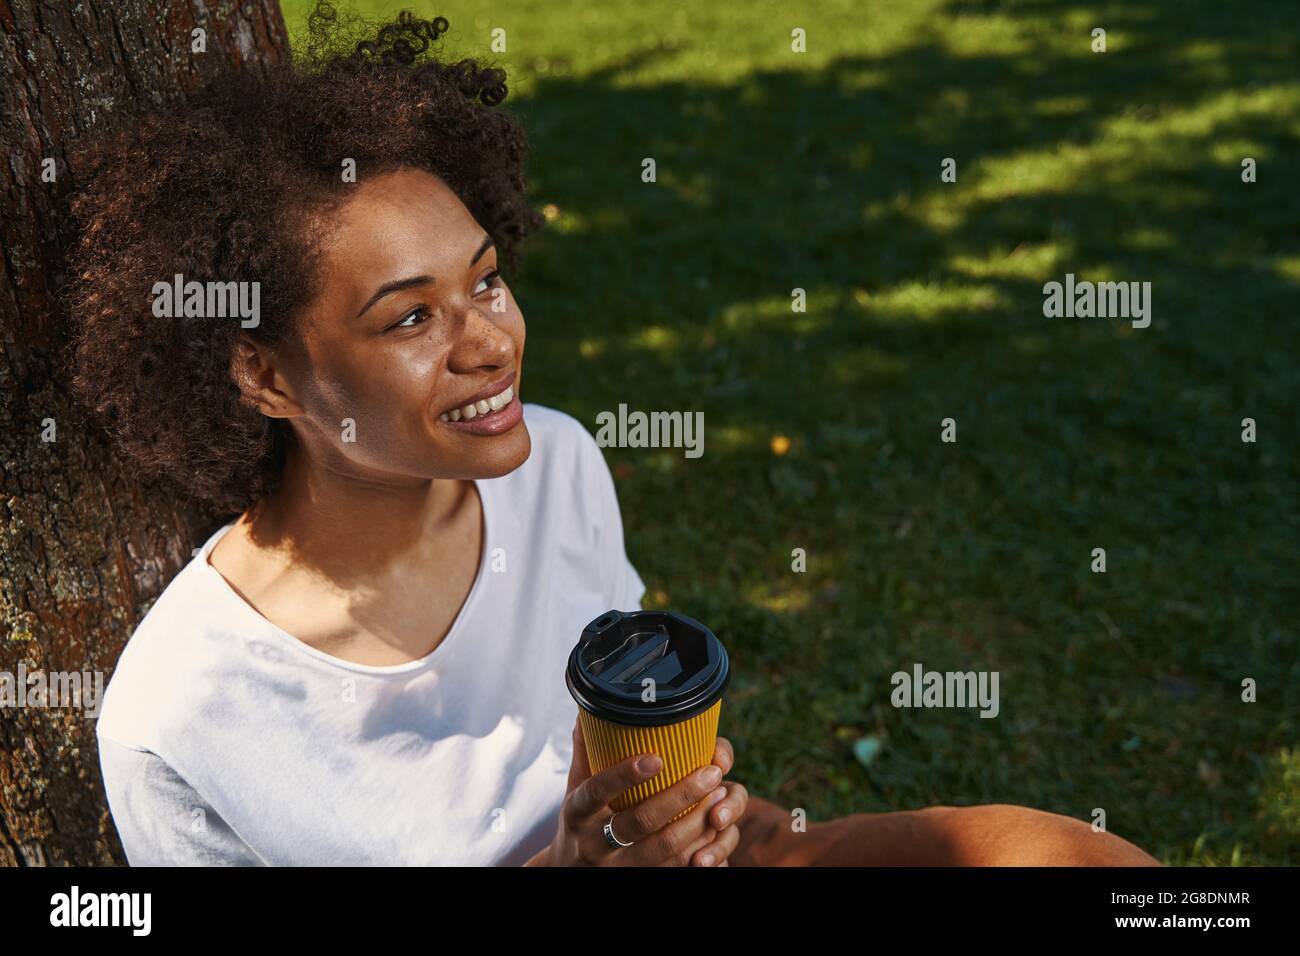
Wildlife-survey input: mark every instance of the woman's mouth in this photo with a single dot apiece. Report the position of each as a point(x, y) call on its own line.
point(487, 416)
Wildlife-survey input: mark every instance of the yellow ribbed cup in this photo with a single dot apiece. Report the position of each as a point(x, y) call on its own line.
point(684, 747)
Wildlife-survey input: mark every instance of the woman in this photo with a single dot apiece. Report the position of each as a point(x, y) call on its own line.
point(364, 663)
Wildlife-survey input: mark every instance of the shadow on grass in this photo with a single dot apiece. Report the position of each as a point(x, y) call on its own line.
point(1122, 690)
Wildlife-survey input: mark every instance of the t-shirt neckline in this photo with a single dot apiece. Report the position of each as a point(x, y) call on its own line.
point(437, 654)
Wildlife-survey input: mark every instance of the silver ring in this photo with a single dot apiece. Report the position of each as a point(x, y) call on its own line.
point(612, 840)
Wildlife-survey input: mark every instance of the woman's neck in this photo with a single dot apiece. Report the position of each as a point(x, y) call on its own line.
point(347, 528)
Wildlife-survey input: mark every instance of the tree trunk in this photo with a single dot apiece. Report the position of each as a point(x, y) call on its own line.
point(84, 550)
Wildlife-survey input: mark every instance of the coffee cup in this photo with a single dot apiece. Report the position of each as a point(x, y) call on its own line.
point(648, 682)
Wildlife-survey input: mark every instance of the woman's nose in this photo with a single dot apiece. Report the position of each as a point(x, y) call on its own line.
point(482, 343)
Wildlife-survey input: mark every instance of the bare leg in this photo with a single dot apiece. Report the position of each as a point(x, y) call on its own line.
point(989, 835)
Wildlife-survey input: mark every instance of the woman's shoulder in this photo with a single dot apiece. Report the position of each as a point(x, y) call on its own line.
point(554, 426)
point(581, 516)
point(561, 445)
point(565, 479)
point(163, 660)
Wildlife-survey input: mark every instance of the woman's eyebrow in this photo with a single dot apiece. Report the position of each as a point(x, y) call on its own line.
point(487, 244)
point(398, 285)
point(395, 286)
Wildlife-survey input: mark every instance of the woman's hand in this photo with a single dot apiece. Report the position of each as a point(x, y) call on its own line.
point(580, 839)
point(723, 835)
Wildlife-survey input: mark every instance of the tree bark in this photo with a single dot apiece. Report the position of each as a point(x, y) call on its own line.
point(84, 549)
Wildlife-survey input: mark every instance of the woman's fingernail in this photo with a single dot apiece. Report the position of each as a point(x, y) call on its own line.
point(706, 860)
point(712, 776)
point(648, 765)
point(724, 815)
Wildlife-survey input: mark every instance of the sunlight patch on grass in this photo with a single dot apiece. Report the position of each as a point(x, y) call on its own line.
point(1200, 51)
point(934, 301)
point(1279, 799)
point(780, 599)
point(657, 338)
point(717, 44)
point(984, 36)
point(1287, 267)
point(1051, 170)
point(765, 315)
point(1141, 145)
point(1200, 121)
point(1149, 239)
point(858, 77)
point(1229, 151)
point(691, 187)
point(1062, 106)
point(737, 438)
point(1026, 261)
point(988, 182)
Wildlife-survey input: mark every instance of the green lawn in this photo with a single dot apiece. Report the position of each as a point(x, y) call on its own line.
point(820, 171)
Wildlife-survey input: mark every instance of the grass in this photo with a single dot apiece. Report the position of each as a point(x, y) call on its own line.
point(820, 171)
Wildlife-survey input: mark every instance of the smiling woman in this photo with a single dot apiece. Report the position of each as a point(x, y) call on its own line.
point(364, 662)
point(322, 683)
point(248, 185)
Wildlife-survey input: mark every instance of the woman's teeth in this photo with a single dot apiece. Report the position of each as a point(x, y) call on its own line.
point(487, 405)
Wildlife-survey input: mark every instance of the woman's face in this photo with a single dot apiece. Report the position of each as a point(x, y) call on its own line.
point(411, 328)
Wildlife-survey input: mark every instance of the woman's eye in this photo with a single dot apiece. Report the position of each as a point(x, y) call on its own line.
point(490, 279)
point(422, 313)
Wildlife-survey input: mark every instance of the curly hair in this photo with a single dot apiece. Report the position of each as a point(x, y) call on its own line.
point(233, 186)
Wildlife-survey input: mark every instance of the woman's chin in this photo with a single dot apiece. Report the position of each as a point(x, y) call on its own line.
point(500, 455)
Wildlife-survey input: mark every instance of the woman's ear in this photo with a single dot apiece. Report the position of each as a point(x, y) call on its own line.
point(255, 369)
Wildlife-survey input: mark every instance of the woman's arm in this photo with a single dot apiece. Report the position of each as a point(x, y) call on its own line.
point(160, 819)
point(988, 835)
point(541, 858)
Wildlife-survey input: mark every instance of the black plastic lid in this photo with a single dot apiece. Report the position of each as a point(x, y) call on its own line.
point(617, 651)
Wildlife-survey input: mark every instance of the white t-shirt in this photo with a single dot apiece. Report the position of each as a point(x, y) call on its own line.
point(225, 740)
